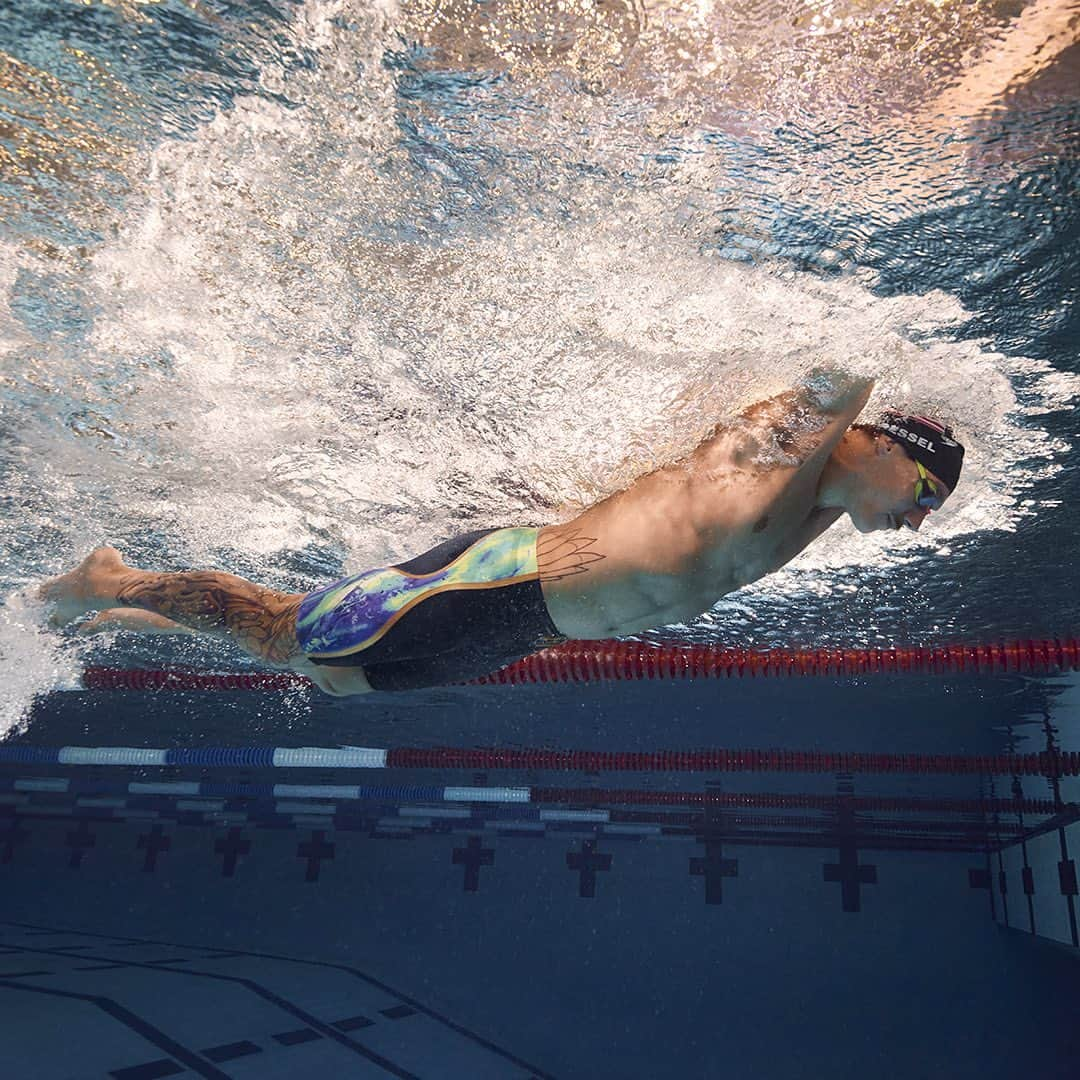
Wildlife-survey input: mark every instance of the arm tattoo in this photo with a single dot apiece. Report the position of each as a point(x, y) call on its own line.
point(564, 553)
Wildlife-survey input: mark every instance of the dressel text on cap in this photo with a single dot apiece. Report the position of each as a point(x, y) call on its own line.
point(903, 433)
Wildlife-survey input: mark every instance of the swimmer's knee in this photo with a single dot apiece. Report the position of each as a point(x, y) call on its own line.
point(349, 688)
point(349, 682)
point(333, 691)
point(336, 682)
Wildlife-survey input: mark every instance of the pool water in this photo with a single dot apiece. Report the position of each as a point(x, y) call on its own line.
point(295, 289)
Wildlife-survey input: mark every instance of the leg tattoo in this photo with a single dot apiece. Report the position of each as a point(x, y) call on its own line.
point(260, 620)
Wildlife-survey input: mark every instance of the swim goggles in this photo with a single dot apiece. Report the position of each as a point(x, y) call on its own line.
point(926, 492)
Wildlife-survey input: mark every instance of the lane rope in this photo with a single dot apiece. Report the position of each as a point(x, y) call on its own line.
point(290, 798)
point(611, 660)
point(1051, 764)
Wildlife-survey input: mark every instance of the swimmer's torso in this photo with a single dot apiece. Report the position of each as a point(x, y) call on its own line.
point(661, 560)
point(666, 549)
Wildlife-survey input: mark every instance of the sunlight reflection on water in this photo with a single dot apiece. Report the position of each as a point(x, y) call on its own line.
point(353, 278)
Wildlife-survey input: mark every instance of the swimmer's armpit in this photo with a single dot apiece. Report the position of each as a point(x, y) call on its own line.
point(564, 553)
point(832, 390)
point(792, 422)
point(768, 426)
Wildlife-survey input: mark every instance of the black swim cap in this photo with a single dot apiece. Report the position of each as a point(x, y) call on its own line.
point(926, 441)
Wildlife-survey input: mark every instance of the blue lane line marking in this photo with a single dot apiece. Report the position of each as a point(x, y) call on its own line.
point(294, 1038)
point(150, 1070)
point(134, 1023)
point(230, 1051)
point(242, 757)
point(29, 754)
point(308, 757)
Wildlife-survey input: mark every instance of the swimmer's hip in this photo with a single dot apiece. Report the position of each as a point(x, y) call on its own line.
point(463, 609)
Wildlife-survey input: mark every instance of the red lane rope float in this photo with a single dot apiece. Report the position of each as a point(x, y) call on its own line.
point(595, 661)
point(101, 678)
point(772, 801)
point(588, 661)
point(1047, 763)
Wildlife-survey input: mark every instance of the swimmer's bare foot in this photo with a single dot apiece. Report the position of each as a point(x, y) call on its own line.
point(91, 585)
point(142, 622)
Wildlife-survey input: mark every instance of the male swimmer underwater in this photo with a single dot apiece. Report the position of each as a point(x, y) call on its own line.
point(741, 505)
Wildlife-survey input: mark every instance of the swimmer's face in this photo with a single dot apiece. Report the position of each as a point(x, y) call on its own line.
point(887, 499)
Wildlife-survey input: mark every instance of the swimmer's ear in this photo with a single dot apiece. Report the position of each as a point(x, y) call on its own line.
point(884, 445)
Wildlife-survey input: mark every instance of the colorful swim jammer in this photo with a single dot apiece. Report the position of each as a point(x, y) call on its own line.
point(465, 608)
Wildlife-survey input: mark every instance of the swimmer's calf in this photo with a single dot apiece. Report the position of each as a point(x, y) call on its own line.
point(262, 621)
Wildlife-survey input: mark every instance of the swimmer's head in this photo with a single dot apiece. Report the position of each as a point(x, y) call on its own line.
point(926, 441)
point(904, 469)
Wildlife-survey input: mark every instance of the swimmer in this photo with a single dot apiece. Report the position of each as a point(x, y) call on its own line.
point(746, 501)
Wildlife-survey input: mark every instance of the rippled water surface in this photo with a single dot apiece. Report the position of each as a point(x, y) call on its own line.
point(291, 288)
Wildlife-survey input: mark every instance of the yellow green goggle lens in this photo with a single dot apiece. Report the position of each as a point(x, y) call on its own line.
point(926, 492)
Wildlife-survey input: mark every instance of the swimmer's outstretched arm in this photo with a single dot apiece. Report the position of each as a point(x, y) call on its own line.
point(804, 422)
point(825, 392)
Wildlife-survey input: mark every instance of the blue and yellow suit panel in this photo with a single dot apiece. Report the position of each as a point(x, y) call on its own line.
point(465, 608)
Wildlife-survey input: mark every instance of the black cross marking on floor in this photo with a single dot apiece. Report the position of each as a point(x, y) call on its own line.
point(472, 857)
point(714, 868)
point(847, 871)
point(80, 841)
point(980, 877)
point(315, 850)
point(232, 845)
point(11, 836)
point(154, 842)
point(1027, 877)
point(850, 875)
point(1067, 882)
point(588, 861)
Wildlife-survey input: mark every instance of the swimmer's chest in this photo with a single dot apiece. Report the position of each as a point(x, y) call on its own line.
point(736, 540)
point(755, 542)
point(666, 550)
